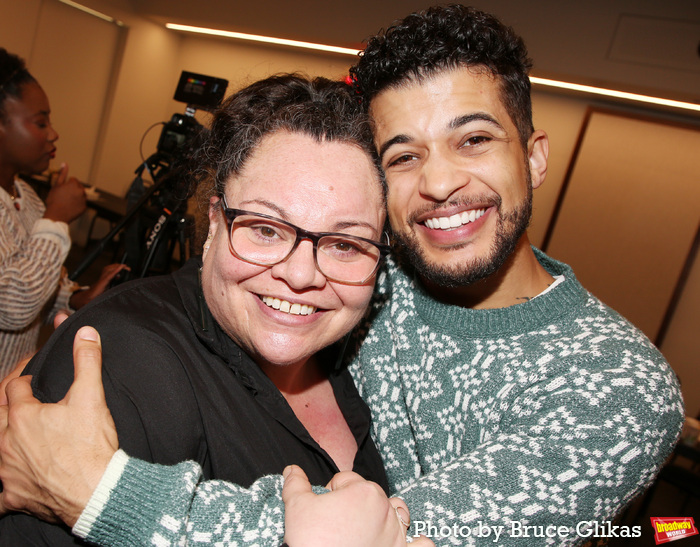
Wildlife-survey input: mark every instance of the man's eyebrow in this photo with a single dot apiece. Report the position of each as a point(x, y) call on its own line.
point(398, 139)
point(476, 116)
point(454, 124)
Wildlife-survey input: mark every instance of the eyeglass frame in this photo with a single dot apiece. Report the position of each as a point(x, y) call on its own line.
point(230, 215)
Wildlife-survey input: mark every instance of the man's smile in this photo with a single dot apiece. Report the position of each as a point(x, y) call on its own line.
point(454, 221)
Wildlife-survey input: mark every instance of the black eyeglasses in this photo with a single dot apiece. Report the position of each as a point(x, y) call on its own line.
point(265, 240)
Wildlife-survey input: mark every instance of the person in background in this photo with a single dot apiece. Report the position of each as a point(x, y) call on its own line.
point(502, 392)
point(34, 236)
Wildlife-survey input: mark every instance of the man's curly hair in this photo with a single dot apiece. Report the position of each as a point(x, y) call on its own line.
point(443, 38)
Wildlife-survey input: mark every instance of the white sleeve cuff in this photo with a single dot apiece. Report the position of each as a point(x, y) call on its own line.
point(100, 496)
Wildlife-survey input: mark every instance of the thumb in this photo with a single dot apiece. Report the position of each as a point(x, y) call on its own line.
point(87, 359)
point(62, 174)
point(15, 373)
point(296, 483)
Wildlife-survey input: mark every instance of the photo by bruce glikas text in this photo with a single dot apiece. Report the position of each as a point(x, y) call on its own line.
point(502, 533)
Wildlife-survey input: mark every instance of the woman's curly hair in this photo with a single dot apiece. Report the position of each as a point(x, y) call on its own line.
point(323, 109)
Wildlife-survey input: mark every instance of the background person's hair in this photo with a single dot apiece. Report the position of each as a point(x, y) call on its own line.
point(13, 75)
point(447, 37)
point(323, 109)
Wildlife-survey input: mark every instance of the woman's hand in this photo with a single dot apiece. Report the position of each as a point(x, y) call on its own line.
point(66, 200)
point(355, 512)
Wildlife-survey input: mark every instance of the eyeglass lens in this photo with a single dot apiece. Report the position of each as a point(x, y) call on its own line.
point(266, 242)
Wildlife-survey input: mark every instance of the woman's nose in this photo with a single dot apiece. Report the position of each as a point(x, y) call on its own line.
point(299, 270)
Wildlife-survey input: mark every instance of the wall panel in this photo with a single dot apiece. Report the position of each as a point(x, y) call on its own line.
point(630, 212)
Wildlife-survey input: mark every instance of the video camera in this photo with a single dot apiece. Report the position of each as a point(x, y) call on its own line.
point(157, 210)
point(197, 91)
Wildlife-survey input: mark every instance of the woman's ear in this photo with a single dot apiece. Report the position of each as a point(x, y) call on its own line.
point(215, 219)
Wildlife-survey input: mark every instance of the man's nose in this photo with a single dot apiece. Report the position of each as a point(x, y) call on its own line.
point(442, 177)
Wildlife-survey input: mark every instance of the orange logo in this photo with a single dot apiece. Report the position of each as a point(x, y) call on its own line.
point(672, 528)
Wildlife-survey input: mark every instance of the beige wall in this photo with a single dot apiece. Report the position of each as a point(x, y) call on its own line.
point(142, 64)
point(561, 118)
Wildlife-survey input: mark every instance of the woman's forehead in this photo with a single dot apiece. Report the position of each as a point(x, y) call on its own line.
point(297, 170)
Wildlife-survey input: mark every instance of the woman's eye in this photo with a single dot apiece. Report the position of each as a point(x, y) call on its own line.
point(342, 249)
point(267, 231)
point(345, 247)
point(42, 122)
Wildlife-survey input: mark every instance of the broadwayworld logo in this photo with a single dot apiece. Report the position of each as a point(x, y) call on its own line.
point(670, 529)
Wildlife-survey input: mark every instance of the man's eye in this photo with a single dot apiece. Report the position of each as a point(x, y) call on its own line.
point(404, 158)
point(475, 141)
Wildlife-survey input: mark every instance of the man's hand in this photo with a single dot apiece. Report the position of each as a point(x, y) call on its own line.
point(59, 318)
point(52, 456)
point(356, 512)
point(14, 373)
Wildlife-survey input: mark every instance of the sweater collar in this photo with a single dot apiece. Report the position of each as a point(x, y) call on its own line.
point(537, 313)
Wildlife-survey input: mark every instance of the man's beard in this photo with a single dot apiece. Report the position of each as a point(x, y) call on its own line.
point(509, 229)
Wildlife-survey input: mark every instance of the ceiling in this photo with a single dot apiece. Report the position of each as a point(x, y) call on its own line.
point(645, 46)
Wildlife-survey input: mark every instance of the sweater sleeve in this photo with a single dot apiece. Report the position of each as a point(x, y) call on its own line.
point(140, 503)
point(29, 269)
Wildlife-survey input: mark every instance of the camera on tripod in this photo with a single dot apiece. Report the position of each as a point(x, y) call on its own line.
point(156, 221)
point(197, 91)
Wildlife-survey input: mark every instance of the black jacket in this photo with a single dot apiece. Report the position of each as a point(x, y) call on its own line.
point(180, 389)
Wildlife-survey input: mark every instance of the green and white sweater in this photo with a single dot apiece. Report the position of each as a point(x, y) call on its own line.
point(550, 412)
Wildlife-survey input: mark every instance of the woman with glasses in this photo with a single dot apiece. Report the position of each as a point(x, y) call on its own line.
point(234, 360)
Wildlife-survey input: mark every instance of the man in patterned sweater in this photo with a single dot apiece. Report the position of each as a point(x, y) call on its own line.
point(510, 405)
point(485, 355)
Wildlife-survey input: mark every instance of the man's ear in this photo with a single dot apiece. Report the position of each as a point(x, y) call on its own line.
point(538, 152)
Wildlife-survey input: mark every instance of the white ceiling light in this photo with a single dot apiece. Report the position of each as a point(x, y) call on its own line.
point(347, 51)
point(614, 93)
point(92, 12)
point(266, 39)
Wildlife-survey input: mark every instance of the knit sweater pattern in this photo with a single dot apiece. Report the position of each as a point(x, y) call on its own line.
point(550, 412)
